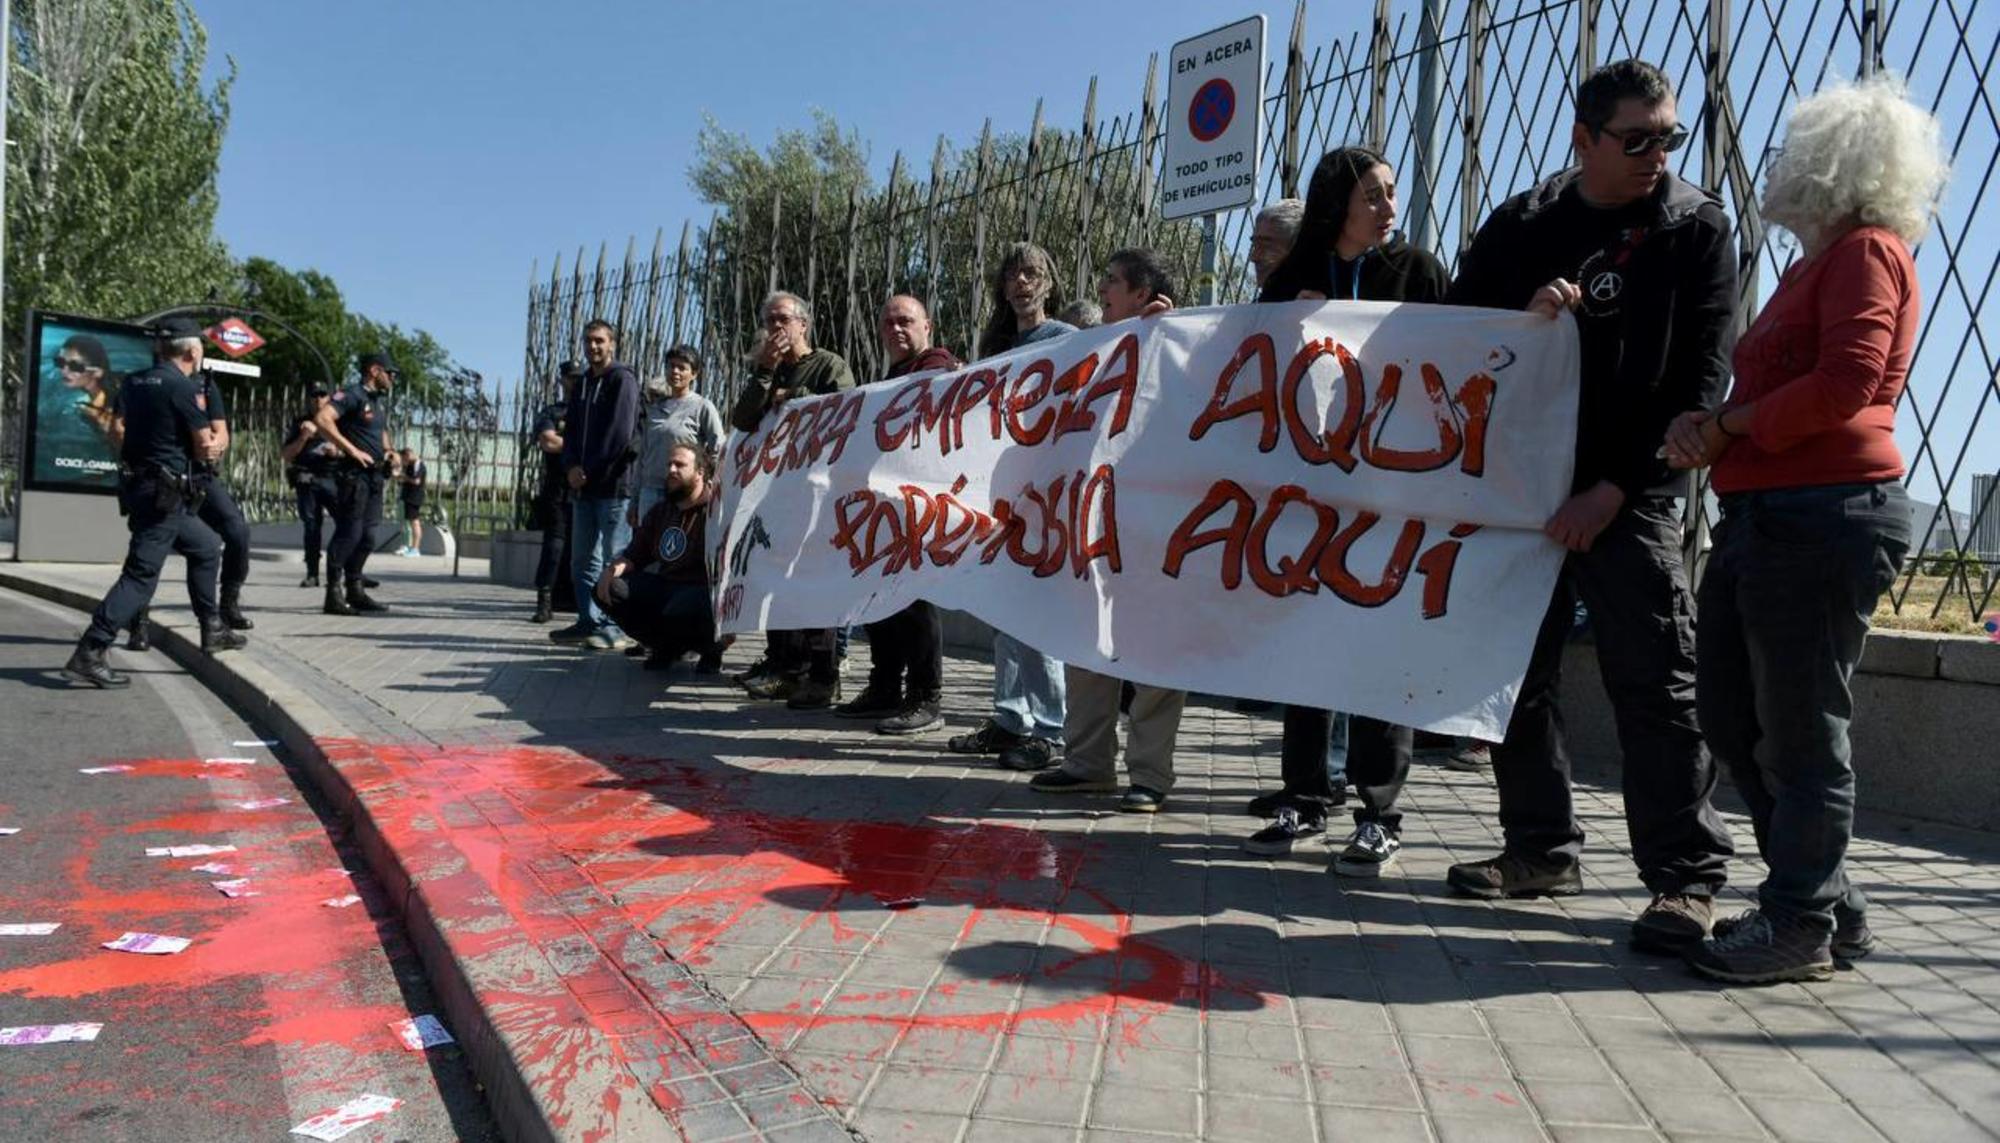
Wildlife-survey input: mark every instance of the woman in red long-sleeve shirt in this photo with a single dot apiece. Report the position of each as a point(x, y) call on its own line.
point(1815, 523)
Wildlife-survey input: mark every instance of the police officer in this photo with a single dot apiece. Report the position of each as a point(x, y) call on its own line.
point(357, 424)
point(310, 460)
point(161, 433)
point(551, 507)
point(218, 508)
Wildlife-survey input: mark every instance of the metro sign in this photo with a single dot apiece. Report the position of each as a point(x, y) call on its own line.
point(234, 337)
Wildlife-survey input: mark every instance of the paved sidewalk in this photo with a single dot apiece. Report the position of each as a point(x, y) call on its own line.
point(938, 953)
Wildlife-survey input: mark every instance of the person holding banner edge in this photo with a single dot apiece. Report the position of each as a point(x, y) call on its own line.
point(1648, 265)
point(1134, 285)
point(1346, 249)
point(1028, 697)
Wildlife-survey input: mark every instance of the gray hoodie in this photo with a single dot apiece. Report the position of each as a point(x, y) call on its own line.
point(671, 420)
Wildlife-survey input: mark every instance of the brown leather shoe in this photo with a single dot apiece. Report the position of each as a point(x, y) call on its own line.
point(1673, 923)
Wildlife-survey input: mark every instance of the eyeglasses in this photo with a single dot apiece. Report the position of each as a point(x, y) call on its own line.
point(71, 364)
point(1025, 273)
point(1635, 143)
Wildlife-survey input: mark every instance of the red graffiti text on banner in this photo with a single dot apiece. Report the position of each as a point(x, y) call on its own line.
point(1067, 524)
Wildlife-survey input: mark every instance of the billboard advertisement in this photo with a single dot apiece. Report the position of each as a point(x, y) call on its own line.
point(74, 368)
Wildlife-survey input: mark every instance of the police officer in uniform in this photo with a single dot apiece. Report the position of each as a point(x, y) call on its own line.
point(161, 434)
point(356, 422)
point(551, 507)
point(310, 460)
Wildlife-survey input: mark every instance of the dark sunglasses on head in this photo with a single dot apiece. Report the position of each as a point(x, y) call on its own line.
point(1636, 143)
point(71, 364)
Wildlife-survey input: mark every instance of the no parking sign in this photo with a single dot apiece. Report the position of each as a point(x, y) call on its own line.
point(1215, 120)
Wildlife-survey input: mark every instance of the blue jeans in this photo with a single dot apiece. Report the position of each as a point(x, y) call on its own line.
point(598, 533)
point(649, 497)
point(1785, 607)
point(1028, 695)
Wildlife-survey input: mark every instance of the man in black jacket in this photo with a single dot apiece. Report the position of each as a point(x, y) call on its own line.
point(1647, 263)
point(597, 456)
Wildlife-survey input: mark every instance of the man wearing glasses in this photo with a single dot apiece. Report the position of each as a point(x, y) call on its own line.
point(357, 424)
point(1647, 264)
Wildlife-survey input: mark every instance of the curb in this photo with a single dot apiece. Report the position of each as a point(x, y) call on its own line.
point(579, 1102)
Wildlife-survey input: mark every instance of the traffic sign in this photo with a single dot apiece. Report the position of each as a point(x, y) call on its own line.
point(234, 337)
point(1215, 121)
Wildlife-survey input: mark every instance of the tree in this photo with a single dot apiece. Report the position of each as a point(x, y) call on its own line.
point(111, 192)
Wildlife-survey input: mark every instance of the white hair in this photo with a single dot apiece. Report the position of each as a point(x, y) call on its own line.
point(1857, 155)
point(799, 305)
point(1288, 213)
point(183, 346)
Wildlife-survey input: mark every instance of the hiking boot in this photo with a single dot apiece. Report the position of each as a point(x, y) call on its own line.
point(232, 608)
point(914, 718)
point(572, 635)
point(1370, 851)
point(217, 635)
point(1673, 923)
point(1141, 800)
point(771, 687)
point(1511, 875)
point(1852, 938)
point(86, 665)
point(872, 702)
point(370, 582)
point(139, 639)
point(1286, 830)
point(1474, 757)
point(1061, 781)
point(1752, 948)
point(1029, 754)
point(544, 606)
point(359, 599)
point(757, 670)
point(988, 739)
point(813, 695)
point(336, 597)
point(311, 580)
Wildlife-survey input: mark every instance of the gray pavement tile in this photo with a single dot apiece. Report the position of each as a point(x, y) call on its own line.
point(1458, 1129)
point(1035, 1099)
point(838, 1079)
point(1122, 1106)
point(1259, 1041)
point(916, 1088)
point(1676, 1069)
point(1707, 1113)
point(1455, 1056)
point(1351, 1087)
point(1152, 1067)
point(1561, 1101)
point(1558, 1062)
point(1482, 1097)
point(1008, 1131)
point(1236, 1116)
point(886, 1125)
point(710, 1122)
point(1054, 1059)
point(1921, 1125)
point(1354, 1049)
point(1261, 1078)
point(1596, 1133)
point(810, 1131)
point(1767, 1073)
point(1512, 1026)
point(1437, 1020)
point(1345, 1124)
point(1811, 1121)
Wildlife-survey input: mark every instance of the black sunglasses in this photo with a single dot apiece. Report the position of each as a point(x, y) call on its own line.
point(1634, 143)
point(71, 364)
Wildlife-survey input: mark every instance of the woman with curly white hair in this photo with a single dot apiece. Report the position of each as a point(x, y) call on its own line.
point(1815, 524)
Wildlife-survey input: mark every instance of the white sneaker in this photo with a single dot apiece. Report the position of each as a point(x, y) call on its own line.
point(1369, 853)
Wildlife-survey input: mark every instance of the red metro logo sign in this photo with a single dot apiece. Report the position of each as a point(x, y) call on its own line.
point(234, 337)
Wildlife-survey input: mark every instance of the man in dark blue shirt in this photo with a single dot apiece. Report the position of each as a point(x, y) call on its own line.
point(161, 432)
point(310, 460)
point(597, 454)
point(218, 508)
point(357, 424)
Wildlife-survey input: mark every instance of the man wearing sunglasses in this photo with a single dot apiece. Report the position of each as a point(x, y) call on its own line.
point(1647, 264)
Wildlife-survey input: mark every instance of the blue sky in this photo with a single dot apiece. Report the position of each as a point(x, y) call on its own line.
point(425, 160)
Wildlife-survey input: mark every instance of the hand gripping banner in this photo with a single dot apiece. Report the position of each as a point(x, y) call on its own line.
point(1332, 504)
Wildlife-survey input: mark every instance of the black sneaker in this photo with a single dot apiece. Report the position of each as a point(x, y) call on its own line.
point(1511, 875)
point(872, 702)
point(1268, 805)
point(574, 634)
point(1029, 754)
point(914, 718)
point(311, 580)
point(1673, 923)
point(988, 739)
point(756, 670)
point(1370, 851)
point(1141, 800)
point(1755, 949)
point(1277, 839)
point(1061, 781)
point(812, 695)
point(709, 664)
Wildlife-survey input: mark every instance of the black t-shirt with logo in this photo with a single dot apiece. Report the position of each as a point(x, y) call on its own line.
point(358, 413)
point(161, 415)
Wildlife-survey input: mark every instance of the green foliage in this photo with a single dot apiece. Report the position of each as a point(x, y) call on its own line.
point(111, 180)
point(311, 303)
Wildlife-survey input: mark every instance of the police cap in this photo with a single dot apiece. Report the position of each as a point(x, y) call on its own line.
point(382, 359)
point(173, 328)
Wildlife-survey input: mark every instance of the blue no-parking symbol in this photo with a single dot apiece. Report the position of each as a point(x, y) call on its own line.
point(1214, 105)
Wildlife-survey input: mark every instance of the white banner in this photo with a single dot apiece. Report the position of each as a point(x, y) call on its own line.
point(1332, 504)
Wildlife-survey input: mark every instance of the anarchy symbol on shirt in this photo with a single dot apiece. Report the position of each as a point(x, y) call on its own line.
point(1607, 286)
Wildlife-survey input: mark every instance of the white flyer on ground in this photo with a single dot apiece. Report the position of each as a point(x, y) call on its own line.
point(355, 1113)
point(152, 944)
point(9, 831)
point(106, 769)
point(229, 761)
point(260, 803)
point(48, 1034)
point(187, 850)
point(219, 868)
point(238, 887)
point(256, 742)
point(30, 929)
point(341, 902)
point(420, 1032)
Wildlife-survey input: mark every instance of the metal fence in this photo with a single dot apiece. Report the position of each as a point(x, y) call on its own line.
point(1471, 102)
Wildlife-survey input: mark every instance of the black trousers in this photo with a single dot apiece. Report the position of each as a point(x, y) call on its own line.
point(669, 618)
point(317, 500)
point(551, 515)
point(156, 533)
point(1378, 763)
point(1643, 620)
point(906, 652)
point(220, 513)
point(812, 654)
point(357, 507)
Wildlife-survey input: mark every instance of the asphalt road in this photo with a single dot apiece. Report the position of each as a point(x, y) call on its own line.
point(278, 1011)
